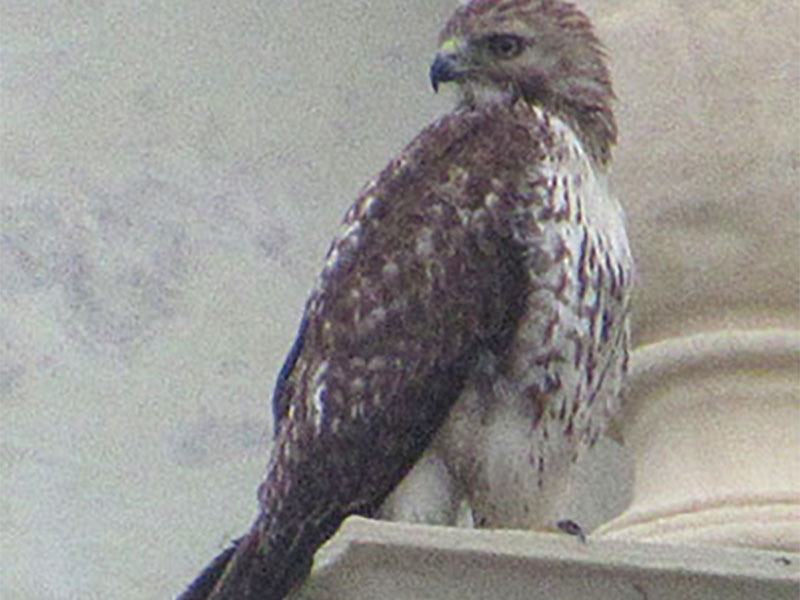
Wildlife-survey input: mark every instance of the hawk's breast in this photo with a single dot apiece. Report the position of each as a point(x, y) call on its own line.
point(525, 415)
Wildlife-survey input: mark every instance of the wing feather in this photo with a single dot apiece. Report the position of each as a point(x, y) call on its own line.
point(427, 282)
point(426, 279)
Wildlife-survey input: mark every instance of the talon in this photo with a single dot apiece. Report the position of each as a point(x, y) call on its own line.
point(570, 527)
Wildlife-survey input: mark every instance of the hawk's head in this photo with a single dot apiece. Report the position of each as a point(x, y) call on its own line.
point(542, 50)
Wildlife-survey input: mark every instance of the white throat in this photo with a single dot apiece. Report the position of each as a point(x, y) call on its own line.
point(476, 93)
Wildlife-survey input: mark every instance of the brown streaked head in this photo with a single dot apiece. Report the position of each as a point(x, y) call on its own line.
point(544, 51)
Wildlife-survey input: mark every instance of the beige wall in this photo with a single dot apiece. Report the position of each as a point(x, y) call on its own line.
point(172, 173)
point(708, 161)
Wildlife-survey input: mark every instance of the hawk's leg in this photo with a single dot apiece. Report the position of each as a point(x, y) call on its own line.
point(428, 494)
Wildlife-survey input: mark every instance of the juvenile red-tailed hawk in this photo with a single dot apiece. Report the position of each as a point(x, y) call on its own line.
point(475, 303)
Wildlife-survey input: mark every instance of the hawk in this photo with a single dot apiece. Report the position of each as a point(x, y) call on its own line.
point(475, 304)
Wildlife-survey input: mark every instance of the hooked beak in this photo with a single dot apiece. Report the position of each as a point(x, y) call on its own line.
point(449, 64)
point(445, 67)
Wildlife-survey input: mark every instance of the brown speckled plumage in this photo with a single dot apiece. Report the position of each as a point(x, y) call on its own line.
point(474, 305)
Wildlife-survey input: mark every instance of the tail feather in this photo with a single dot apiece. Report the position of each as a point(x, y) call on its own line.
point(256, 567)
point(203, 585)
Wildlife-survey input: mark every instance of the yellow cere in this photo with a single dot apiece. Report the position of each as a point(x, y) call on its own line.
point(449, 46)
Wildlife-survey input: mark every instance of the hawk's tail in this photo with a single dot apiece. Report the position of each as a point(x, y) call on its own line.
point(257, 566)
point(202, 586)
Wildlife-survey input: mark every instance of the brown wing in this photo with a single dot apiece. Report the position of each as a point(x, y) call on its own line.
point(426, 281)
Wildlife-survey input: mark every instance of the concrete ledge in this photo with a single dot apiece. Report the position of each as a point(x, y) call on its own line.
point(374, 559)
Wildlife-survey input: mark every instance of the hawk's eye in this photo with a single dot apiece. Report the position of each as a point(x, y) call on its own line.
point(504, 45)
